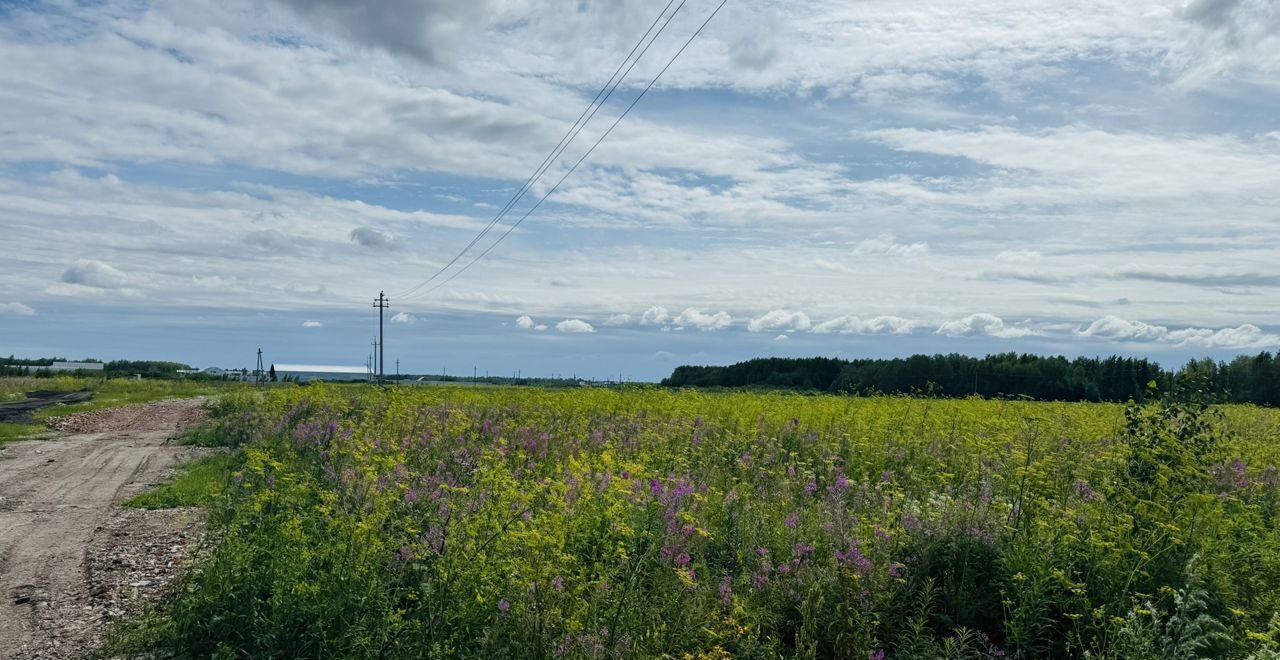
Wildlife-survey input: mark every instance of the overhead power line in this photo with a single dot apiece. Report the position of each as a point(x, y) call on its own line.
point(601, 97)
point(585, 155)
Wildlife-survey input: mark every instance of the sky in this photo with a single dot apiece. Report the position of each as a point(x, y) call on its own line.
point(193, 180)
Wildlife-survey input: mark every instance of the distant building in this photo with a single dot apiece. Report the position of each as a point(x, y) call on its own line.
point(307, 372)
point(214, 371)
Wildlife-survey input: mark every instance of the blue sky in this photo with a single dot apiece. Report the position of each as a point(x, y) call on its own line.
point(191, 181)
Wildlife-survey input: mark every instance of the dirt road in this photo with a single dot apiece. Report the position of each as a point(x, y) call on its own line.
point(71, 560)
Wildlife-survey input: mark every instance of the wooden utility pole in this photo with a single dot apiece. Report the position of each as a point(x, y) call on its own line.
point(381, 303)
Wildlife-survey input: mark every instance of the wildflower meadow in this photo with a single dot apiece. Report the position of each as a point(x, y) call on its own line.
point(525, 523)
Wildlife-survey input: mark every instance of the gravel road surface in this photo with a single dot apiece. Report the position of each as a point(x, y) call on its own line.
point(72, 560)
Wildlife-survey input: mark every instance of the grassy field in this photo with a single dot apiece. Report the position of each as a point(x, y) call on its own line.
point(108, 393)
point(511, 522)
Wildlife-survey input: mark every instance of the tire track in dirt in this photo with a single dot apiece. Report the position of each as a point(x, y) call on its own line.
point(71, 560)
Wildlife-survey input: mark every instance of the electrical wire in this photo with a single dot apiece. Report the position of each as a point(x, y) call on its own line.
point(585, 155)
point(570, 135)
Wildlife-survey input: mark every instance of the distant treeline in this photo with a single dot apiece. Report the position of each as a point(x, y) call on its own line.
point(12, 366)
point(1246, 379)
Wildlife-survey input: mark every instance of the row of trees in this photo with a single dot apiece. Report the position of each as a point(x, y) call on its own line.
point(1246, 379)
point(12, 366)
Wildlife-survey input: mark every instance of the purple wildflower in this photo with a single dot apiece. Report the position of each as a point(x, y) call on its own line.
point(726, 590)
point(404, 554)
point(854, 557)
point(792, 520)
point(877, 654)
point(811, 487)
point(1084, 491)
point(557, 583)
point(504, 606)
point(411, 497)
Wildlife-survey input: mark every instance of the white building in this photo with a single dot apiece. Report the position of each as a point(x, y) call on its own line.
point(307, 372)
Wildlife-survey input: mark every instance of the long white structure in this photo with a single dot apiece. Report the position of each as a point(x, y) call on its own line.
point(307, 372)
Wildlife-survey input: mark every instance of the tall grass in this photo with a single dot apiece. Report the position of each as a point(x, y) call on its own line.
point(642, 523)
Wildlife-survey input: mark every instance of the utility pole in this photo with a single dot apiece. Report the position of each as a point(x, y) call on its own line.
point(259, 373)
point(397, 368)
point(382, 304)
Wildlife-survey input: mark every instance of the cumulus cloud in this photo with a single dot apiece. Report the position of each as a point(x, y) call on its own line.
point(1118, 329)
point(1244, 336)
point(1018, 256)
point(655, 316)
point(780, 319)
point(887, 245)
point(618, 319)
point(574, 326)
point(312, 324)
point(91, 273)
point(525, 322)
point(1112, 327)
point(16, 309)
point(782, 338)
point(692, 318)
point(879, 325)
point(404, 317)
point(984, 324)
point(425, 29)
point(372, 237)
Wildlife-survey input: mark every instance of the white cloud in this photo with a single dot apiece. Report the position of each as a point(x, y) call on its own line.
point(1112, 327)
point(984, 324)
point(372, 237)
point(1243, 336)
point(1018, 256)
point(655, 316)
point(312, 324)
point(692, 318)
point(16, 309)
point(574, 326)
point(782, 338)
point(404, 317)
point(887, 245)
point(618, 319)
point(879, 325)
point(779, 319)
point(92, 273)
point(525, 322)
